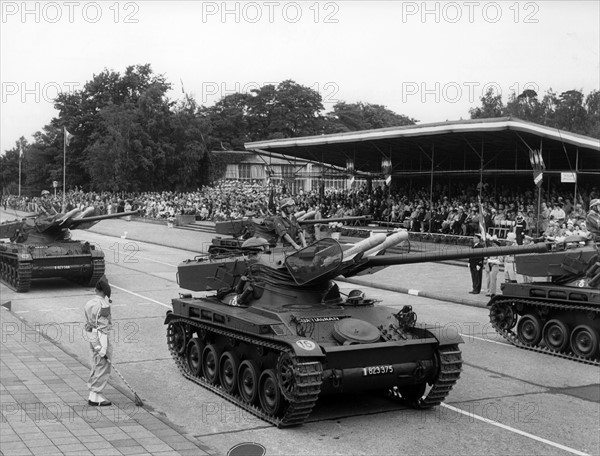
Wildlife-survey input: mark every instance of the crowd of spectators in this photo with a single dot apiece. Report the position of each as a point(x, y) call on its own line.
point(455, 210)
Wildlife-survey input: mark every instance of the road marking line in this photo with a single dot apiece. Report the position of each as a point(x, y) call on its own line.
point(486, 340)
point(21, 311)
point(45, 310)
point(516, 431)
point(160, 262)
point(141, 296)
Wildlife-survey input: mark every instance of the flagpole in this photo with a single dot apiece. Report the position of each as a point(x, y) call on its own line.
point(20, 159)
point(64, 204)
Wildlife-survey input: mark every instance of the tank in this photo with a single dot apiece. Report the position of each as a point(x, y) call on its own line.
point(40, 247)
point(557, 310)
point(274, 332)
point(236, 231)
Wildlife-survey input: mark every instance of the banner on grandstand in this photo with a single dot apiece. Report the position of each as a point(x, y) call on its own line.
point(538, 166)
point(350, 165)
point(386, 169)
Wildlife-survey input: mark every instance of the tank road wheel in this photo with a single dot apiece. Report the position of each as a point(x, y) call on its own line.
point(584, 341)
point(503, 315)
point(286, 376)
point(228, 372)
point(210, 364)
point(412, 393)
point(269, 393)
point(248, 381)
point(194, 356)
point(529, 329)
point(178, 337)
point(556, 335)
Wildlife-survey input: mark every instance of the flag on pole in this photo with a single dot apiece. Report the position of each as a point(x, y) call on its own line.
point(20, 151)
point(538, 166)
point(68, 136)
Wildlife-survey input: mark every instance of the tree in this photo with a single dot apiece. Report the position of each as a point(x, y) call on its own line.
point(491, 106)
point(525, 106)
point(363, 116)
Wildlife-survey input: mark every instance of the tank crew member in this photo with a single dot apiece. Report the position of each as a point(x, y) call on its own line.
point(476, 266)
point(244, 290)
point(45, 206)
point(287, 227)
point(98, 326)
point(593, 218)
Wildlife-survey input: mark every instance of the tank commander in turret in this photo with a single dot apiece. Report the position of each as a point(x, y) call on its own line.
point(287, 227)
point(45, 206)
point(593, 218)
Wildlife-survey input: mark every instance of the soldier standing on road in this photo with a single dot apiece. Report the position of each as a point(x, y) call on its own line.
point(98, 326)
point(476, 266)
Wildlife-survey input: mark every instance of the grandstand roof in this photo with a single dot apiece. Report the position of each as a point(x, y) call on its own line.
point(497, 145)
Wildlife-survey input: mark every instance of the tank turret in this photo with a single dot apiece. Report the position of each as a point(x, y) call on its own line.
point(279, 332)
point(554, 306)
point(41, 247)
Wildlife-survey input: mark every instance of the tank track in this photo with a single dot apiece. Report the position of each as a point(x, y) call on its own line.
point(15, 274)
point(98, 268)
point(308, 377)
point(513, 339)
point(450, 361)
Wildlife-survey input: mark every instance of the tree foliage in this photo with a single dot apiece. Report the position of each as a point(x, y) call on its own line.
point(570, 110)
point(363, 116)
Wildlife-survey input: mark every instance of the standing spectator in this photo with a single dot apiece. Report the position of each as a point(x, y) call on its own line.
point(492, 267)
point(520, 227)
point(476, 266)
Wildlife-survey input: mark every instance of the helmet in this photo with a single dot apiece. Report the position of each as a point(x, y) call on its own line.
point(45, 192)
point(255, 243)
point(594, 202)
point(286, 202)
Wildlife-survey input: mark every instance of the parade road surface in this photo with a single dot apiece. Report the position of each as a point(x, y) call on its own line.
point(507, 401)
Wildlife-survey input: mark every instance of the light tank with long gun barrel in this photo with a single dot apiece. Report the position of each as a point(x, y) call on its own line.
point(40, 247)
point(558, 310)
point(278, 333)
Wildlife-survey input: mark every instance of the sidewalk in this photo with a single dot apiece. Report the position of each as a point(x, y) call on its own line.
point(44, 411)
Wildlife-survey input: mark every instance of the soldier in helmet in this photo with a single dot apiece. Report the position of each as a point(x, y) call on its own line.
point(45, 205)
point(287, 227)
point(593, 218)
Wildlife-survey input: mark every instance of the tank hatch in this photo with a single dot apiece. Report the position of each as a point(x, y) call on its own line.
point(354, 331)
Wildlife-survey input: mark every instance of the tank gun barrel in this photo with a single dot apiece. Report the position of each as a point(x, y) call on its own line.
point(96, 218)
point(337, 219)
point(390, 260)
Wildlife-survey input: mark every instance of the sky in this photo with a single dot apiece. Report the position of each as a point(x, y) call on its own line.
point(431, 61)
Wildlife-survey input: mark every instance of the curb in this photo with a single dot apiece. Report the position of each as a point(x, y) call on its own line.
point(126, 393)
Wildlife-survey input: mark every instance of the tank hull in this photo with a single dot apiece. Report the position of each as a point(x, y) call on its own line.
point(77, 261)
point(296, 341)
point(559, 320)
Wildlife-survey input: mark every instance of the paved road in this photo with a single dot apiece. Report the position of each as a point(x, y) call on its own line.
point(508, 401)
